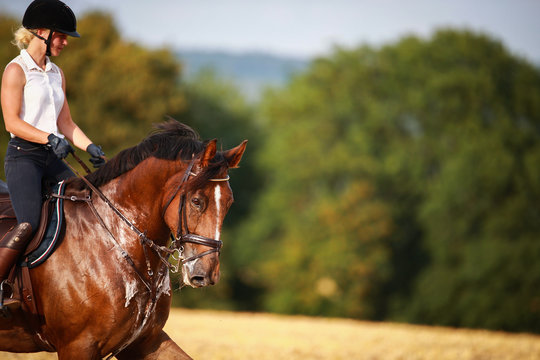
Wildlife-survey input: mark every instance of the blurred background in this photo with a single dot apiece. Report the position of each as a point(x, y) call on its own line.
point(393, 165)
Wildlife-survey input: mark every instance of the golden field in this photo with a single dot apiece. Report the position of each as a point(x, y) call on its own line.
point(227, 335)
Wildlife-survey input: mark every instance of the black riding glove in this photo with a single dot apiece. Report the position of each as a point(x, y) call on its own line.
point(59, 146)
point(98, 156)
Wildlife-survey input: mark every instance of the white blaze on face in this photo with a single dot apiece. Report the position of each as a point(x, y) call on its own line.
point(217, 198)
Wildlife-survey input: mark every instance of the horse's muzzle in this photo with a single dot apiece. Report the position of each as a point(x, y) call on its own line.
point(201, 272)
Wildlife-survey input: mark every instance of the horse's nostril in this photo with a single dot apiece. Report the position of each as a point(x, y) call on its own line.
point(198, 280)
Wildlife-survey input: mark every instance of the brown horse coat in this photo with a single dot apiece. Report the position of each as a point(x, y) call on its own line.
point(91, 300)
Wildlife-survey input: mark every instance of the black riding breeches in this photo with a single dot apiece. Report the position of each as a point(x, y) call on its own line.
point(27, 165)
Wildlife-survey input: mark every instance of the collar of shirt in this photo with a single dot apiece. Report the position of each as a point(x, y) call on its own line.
point(31, 64)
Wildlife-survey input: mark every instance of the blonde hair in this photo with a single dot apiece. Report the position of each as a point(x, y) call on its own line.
point(22, 37)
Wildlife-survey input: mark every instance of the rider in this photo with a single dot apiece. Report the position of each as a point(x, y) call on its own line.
point(37, 115)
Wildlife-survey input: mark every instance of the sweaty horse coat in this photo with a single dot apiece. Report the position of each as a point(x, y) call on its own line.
point(92, 301)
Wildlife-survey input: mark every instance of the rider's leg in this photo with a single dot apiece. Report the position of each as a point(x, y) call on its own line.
point(11, 247)
point(24, 165)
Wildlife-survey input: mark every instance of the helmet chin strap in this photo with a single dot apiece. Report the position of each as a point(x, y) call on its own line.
point(47, 41)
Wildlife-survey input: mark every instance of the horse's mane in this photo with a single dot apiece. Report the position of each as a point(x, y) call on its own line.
point(171, 140)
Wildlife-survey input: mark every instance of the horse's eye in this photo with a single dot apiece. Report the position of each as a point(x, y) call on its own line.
point(196, 202)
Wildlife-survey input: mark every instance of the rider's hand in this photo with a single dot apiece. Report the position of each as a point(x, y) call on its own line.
point(98, 156)
point(59, 146)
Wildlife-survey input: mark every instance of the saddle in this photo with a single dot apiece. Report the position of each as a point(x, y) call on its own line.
point(8, 220)
point(34, 255)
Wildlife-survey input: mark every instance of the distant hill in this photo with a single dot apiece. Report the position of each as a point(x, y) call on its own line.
point(252, 72)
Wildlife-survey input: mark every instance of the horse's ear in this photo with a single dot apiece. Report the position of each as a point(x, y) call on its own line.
point(234, 155)
point(209, 153)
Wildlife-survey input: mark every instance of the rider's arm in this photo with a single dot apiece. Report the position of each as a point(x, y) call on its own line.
point(13, 82)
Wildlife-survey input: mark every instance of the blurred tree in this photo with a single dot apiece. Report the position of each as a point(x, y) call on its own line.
point(314, 239)
point(7, 26)
point(402, 184)
point(480, 121)
point(116, 89)
point(217, 110)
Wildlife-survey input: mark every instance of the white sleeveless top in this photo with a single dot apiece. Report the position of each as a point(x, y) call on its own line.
point(43, 96)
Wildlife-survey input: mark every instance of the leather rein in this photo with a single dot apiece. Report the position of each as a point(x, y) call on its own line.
point(176, 246)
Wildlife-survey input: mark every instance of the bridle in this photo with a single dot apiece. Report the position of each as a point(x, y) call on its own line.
point(176, 246)
point(183, 235)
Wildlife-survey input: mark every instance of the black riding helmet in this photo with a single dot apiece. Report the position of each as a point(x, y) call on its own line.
point(53, 15)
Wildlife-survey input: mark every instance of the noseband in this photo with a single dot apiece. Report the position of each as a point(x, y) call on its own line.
point(183, 235)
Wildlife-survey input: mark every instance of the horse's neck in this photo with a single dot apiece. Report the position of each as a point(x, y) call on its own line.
point(146, 179)
point(139, 194)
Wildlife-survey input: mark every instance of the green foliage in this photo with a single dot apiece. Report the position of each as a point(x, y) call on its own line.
point(217, 110)
point(7, 27)
point(117, 89)
point(314, 239)
point(403, 184)
point(477, 123)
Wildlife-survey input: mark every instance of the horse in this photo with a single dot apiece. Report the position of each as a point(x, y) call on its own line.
point(106, 290)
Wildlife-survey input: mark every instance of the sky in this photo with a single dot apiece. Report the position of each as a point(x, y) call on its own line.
point(308, 28)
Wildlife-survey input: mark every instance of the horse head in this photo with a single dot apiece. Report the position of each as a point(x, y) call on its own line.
point(171, 182)
point(195, 211)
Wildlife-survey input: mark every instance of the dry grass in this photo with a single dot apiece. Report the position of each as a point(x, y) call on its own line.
point(225, 335)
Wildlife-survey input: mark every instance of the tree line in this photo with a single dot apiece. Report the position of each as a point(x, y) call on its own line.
point(395, 183)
